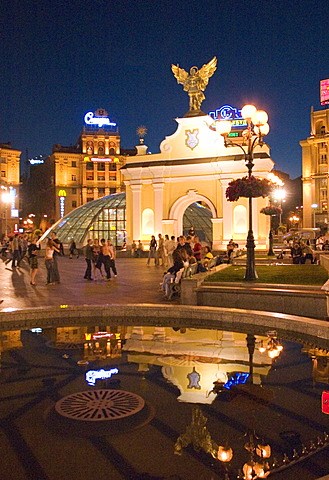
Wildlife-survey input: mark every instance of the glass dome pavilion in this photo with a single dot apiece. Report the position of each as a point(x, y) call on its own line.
point(106, 218)
point(101, 218)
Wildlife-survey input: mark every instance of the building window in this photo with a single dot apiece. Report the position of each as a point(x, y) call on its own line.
point(113, 167)
point(74, 163)
point(112, 151)
point(323, 130)
point(101, 192)
point(324, 206)
point(101, 166)
point(89, 166)
point(89, 199)
point(3, 160)
point(73, 178)
point(90, 190)
point(113, 190)
point(323, 158)
point(74, 204)
point(3, 173)
point(324, 193)
point(101, 178)
point(74, 191)
point(90, 176)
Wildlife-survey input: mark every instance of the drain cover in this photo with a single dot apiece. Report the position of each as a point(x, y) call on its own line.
point(99, 405)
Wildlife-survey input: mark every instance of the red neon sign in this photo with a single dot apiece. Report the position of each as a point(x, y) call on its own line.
point(325, 402)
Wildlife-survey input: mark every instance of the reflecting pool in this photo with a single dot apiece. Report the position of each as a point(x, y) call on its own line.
point(152, 402)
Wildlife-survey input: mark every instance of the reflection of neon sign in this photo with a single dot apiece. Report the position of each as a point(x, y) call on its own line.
point(100, 121)
point(93, 375)
point(226, 112)
point(236, 379)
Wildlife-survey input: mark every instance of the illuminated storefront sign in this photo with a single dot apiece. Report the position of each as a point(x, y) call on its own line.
point(93, 375)
point(324, 92)
point(62, 197)
point(36, 161)
point(227, 112)
point(90, 119)
point(101, 159)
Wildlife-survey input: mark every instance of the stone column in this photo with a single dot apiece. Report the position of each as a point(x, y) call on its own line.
point(137, 210)
point(227, 213)
point(158, 207)
point(217, 233)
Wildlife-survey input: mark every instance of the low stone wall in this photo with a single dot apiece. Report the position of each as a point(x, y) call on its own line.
point(293, 300)
point(230, 319)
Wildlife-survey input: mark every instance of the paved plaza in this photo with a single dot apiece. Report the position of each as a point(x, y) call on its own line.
point(136, 283)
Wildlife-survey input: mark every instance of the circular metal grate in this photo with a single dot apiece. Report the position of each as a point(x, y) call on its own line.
point(99, 405)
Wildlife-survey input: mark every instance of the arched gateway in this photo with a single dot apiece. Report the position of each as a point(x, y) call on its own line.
point(193, 166)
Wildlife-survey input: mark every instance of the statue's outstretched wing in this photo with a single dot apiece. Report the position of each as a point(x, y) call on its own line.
point(179, 73)
point(207, 71)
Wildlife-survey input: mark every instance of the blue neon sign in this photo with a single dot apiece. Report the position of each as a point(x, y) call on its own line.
point(93, 375)
point(226, 112)
point(90, 119)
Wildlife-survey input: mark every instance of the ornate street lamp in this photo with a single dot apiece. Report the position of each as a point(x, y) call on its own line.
point(253, 136)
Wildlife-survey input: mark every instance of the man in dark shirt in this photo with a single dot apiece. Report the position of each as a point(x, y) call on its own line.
point(88, 258)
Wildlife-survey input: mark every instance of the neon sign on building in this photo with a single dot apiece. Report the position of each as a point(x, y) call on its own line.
point(100, 121)
point(227, 112)
point(62, 197)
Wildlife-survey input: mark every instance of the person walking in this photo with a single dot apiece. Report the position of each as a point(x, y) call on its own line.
point(88, 258)
point(57, 250)
point(73, 249)
point(113, 255)
point(152, 250)
point(160, 253)
point(49, 261)
point(106, 258)
point(33, 259)
point(15, 251)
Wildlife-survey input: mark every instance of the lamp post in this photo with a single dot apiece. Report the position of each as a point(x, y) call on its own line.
point(253, 136)
point(314, 206)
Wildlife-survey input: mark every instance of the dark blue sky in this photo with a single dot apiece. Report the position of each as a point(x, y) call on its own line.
point(62, 59)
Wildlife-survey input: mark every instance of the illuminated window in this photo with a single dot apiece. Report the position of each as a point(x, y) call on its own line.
point(101, 192)
point(240, 219)
point(90, 190)
point(101, 178)
point(74, 204)
point(73, 178)
point(323, 158)
point(324, 206)
point(147, 222)
point(90, 176)
point(74, 163)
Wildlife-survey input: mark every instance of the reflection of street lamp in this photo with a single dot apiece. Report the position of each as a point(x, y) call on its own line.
point(253, 136)
point(6, 198)
point(314, 206)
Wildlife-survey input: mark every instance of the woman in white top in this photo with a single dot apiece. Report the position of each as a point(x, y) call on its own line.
point(49, 261)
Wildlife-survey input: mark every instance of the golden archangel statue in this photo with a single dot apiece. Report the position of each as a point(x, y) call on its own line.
point(195, 84)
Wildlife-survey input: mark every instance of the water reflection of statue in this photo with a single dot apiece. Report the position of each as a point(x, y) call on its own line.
point(195, 83)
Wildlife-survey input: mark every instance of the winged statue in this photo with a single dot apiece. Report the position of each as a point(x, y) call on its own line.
point(195, 83)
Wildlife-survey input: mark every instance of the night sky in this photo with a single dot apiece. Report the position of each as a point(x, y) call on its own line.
point(60, 60)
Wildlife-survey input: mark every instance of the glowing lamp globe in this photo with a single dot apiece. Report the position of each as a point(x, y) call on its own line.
point(248, 111)
point(223, 127)
point(273, 353)
point(224, 454)
point(263, 129)
point(6, 197)
point(247, 470)
point(259, 118)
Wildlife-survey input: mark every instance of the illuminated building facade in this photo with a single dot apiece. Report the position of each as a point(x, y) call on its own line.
point(86, 171)
point(9, 183)
point(315, 171)
point(194, 166)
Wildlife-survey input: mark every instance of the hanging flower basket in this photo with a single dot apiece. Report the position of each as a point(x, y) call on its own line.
point(271, 210)
point(248, 187)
